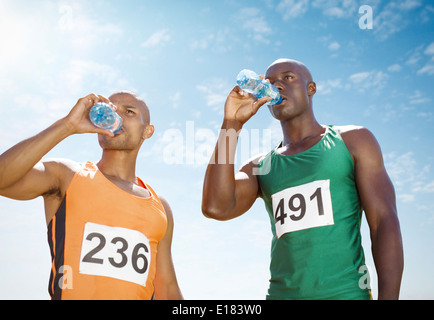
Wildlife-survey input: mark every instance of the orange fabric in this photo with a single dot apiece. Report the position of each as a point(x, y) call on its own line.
point(92, 201)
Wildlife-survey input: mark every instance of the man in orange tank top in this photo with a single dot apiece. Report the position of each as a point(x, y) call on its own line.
point(115, 244)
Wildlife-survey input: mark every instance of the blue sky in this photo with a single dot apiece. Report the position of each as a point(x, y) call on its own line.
point(182, 57)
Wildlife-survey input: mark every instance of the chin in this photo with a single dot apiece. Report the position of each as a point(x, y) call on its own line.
point(284, 112)
point(112, 143)
point(280, 114)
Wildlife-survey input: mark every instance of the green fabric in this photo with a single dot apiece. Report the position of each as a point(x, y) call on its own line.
point(320, 262)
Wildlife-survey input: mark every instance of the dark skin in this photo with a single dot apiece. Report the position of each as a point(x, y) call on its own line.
point(24, 175)
point(227, 195)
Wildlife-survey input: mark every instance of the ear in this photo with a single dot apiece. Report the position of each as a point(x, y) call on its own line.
point(311, 88)
point(149, 131)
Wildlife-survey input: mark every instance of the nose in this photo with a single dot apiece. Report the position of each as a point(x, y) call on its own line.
point(277, 84)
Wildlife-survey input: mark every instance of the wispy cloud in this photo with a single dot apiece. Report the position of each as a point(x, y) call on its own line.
point(215, 92)
point(76, 23)
point(80, 74)
point(336, 8)
point(408, 176)
point(175, 98)
point(394, 68)
point(327, 86)
point(417, 98)
point(334, 46)
point(157, 38)
point(428, 68)
point(368, 80)
point(292, 8)
point(254, 23)
point(392, 18)
point(217, 41)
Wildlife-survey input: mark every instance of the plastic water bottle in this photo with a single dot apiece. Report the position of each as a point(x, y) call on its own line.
point(250, 82)
point(103, 116)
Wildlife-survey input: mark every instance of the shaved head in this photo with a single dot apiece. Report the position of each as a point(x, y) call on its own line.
point(140, 102)
point(301, 67)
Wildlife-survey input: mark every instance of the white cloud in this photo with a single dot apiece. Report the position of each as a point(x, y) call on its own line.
point(359, 77)
point(216, 92)
point(215, 41)
point(368, 80)
point(414, 58)
point(158, 38)
point(394, 68)
point(175, 98)
point(336, 8)
point(430, 49)
point(255, 24)
point(406, 198)
point(418, 98)
point(326, 87)
point(80, 75)
point(409, 177)
point(409, 4)
point(84, 31)
point(428, 68)
point(392, 19)
point(292, 8)
point(334, 46)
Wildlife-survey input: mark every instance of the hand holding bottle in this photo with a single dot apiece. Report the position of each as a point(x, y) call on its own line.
point(241, 104)
point(103, 116)
point(78, 120)
point(252, 83)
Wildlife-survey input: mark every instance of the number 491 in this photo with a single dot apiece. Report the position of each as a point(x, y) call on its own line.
point(297, 203)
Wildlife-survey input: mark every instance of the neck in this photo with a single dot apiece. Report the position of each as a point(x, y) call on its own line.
point(297, 130)
point(119, 165)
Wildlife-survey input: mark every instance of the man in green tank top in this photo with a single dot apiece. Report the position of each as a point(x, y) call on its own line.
point(315, 185)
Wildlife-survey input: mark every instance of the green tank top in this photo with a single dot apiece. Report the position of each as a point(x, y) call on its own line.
point(315, 214)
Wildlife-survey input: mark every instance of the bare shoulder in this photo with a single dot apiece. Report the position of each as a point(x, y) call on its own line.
point(167, 240)
point(360, 141)
point(62, 164)
point(351, 129)
point(166, 207)
point(247, 167)
point(62, 169)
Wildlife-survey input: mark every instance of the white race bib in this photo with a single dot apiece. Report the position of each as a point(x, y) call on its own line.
point(302, 207)
point(115, 252)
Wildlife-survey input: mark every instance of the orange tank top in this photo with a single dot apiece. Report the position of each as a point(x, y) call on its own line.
point(103, 240)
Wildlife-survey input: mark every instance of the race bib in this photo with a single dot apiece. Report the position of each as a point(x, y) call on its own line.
point(302, 207)
point(115, 252)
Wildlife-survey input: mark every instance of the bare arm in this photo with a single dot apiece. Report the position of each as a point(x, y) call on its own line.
point(226, 195)
point(165, 282)
point(23, 175)
point(378, 200)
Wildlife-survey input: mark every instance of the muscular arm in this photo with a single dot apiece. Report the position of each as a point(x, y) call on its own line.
point(378, 200)
point(23, 176)
point(226, 195)
point(165, 282)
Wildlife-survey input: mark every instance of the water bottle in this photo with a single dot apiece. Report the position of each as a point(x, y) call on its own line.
point(250, 82)
point(103, 116)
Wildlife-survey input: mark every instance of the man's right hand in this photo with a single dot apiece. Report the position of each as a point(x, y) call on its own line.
point(78, 120)
point(240, 106)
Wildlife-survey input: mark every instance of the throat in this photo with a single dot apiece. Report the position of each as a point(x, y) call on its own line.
point(291, 147)
point(133, 188)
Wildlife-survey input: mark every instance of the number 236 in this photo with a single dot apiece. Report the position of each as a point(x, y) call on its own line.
point(136, 257)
